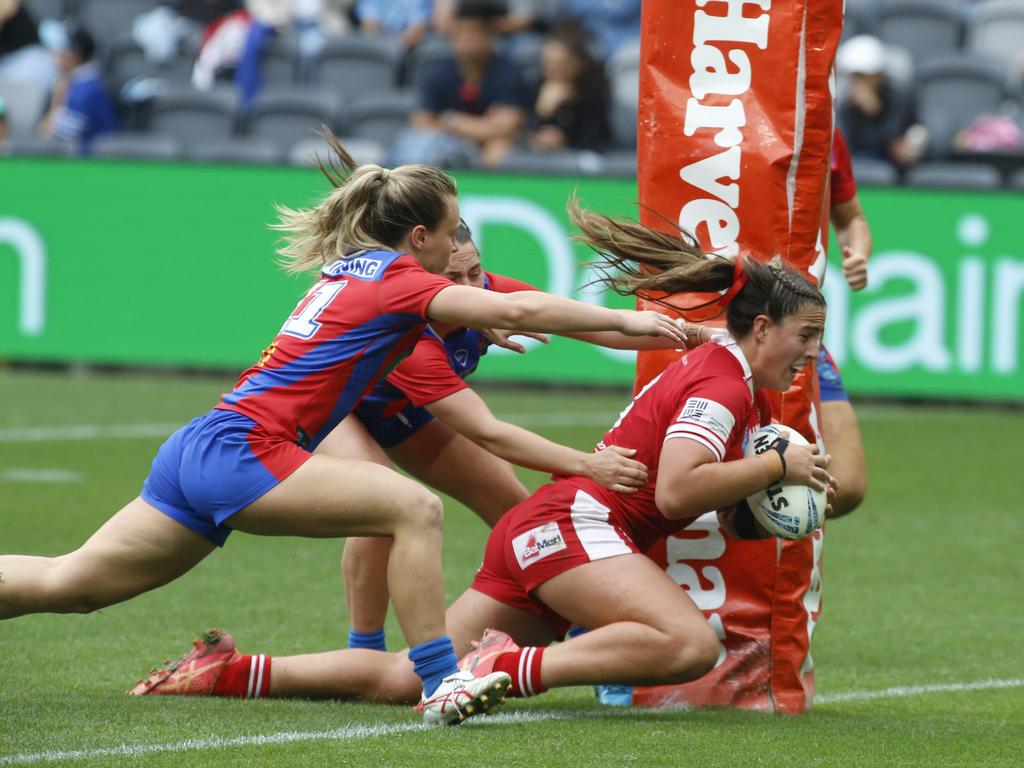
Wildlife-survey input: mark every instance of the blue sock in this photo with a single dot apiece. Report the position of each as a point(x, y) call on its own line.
point(433, 661)
point(575, 631)
point(371, 641)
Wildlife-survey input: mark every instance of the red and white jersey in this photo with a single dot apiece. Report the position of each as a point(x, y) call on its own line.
point(707, 397)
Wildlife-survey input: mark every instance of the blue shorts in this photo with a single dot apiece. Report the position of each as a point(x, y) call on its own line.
point(214, 466)
point(389, 431)
point(830, 381)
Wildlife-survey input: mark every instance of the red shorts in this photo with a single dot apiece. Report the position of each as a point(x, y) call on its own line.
point(558, 528)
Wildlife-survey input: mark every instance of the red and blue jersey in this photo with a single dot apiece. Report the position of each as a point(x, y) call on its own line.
point(351, 328)
point(437, 366)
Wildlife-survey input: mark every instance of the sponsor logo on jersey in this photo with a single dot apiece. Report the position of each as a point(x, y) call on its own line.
point(536, 544)
point(462, 357)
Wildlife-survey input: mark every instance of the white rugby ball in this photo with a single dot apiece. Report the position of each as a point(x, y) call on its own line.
point(789, 511)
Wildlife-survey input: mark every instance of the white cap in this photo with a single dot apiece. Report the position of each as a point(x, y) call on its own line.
point(861, 55)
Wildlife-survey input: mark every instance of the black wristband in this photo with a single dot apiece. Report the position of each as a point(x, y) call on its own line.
point(743, 522)
point(779, 445)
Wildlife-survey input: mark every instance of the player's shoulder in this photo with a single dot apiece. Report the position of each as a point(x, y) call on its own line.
point(371, 266)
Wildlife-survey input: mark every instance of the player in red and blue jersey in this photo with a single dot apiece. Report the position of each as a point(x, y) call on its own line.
point(380, 240)
point(571, 553)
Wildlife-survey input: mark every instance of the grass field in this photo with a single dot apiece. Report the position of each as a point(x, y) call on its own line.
point(919, 653)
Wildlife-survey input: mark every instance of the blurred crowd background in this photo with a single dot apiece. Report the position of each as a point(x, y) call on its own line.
point(929, 92)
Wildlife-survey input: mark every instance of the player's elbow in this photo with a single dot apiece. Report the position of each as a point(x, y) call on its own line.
point(673, 503)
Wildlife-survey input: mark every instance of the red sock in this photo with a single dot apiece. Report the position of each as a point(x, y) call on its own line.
point(523, 666)
point(247, 678)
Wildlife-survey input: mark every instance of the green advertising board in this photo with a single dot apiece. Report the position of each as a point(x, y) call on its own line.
point(152, 264)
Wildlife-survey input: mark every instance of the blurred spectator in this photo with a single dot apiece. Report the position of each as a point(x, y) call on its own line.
point(875, 114)
point(510, 16)
point(471, 103)
point(607, 23)
point(80, 108)
point(405, 20)
point(159, 32)
point(572, 104)
point(313, 21)
point(995, 134)
point(23, 59)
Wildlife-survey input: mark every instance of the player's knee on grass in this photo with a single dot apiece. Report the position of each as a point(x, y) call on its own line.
point(691, 651)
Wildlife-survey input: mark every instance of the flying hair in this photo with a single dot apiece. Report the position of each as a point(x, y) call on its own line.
point(368, 208)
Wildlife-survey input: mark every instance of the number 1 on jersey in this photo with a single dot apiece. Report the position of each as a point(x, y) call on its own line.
point(303, 323)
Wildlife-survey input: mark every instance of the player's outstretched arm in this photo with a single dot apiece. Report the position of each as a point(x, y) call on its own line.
point(542, 312)
point(468, 414)
point(694, 336)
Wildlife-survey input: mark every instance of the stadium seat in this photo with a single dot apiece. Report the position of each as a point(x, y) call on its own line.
point(47, 9)
point(996, 28)
point(926, 28)
point(26, 103)
point(870, 172)
point(279, 64)
point(37, 146)
point(141, 146)
point(194, 116)
point(287, 116)
point(565, 162)
point(620, 163)
point(381, 117)
point(357, 66)
point(109, 20)
point(954, 176)
point(123, 60)
point(242, 151)
point(1016, 181)
point(952, 92)
point(306, 152)
point(623, 69)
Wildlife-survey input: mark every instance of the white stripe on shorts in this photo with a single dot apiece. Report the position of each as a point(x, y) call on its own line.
point(598, 537)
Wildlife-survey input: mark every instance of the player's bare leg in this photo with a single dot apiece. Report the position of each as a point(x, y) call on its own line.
point(331, 498)
point(439, 457)
point(388, 677)
point(841, 434)
point(643, 628)
point(136, 550)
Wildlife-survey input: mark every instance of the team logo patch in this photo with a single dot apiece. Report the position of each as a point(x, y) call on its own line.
point(462, 357)
point(713, 416)
point(536, 544)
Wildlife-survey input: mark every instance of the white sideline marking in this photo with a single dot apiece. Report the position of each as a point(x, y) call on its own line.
point(916, 690)
point(368, 731)
point(86, 432)
point(147, 431)
point(40, 476)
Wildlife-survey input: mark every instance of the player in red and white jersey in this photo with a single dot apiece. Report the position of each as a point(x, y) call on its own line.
point(379, 240)
point(466, 451)
point(571, 552)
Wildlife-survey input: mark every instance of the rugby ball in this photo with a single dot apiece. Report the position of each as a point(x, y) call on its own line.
point(789, 511)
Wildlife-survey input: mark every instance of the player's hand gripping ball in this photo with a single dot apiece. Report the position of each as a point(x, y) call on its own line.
point(789, 511)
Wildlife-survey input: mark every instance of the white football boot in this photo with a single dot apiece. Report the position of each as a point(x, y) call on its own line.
point(462, 695)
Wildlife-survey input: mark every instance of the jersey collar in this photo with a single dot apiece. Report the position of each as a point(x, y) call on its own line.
point(729, 343)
